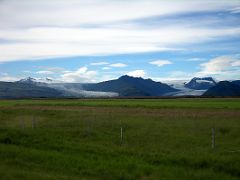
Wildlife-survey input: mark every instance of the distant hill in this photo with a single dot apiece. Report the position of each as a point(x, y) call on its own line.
point(131, 86)
point(24, 90)
point(201, 83)
point(224, 88)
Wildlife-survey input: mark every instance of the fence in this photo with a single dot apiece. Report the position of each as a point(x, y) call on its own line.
point(121, 133)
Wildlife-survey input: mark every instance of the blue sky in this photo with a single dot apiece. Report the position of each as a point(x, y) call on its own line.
point(97, 40)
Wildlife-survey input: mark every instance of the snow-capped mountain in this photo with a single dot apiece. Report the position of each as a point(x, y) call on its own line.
point(201, 83)
point(38, 81)
point(32, 81)
point(28, 80)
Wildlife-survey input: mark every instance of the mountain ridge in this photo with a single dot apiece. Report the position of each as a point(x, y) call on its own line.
point(132, 86)
point(203, 83)
point(23, 90)
point(224, 89)
point(124, 86)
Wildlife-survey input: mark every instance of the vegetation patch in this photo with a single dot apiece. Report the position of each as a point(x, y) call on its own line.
point(75, 139)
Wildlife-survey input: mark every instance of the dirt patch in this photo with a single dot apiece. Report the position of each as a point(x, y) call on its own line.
point(162, 112)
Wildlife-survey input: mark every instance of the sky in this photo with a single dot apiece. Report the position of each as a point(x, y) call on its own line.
point(98, 40)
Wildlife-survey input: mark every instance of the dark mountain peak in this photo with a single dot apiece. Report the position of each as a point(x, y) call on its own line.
point(127, 77)
point(203, 78)
point(131, 78)
point(132, 86)
point(201, 83)
point(209, 79)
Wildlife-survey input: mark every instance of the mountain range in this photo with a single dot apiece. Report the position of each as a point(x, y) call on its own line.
point(124, 86)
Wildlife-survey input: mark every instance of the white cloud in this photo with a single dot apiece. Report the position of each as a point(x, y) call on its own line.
point(48, 42)
point(9, 78)
point(118, 65)
point(107, 77)
point(137, 73)
point(106, 68)
point(50, 70)
point(99, 63)
point(80, 12)
point(57, 28)
point(82, 75)
point(223, 67)
point(195, 59)
point(219, 64)
point(235, 10)
point(180, 75)
point(45, 72)
point(175, 76)
point(236, 63)
point(66, 71)
point(160, 63)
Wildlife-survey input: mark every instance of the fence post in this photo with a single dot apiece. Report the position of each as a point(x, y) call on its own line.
point(121, 135)
point(213, 138)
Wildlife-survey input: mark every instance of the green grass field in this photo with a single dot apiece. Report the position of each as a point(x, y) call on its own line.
point(80, 139)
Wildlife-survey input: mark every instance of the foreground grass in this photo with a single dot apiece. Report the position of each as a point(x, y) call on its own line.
point(80, 139)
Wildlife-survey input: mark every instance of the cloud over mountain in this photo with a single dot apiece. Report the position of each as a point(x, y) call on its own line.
point(226, 66)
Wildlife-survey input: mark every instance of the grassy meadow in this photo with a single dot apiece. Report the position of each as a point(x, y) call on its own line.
point(80, 139)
